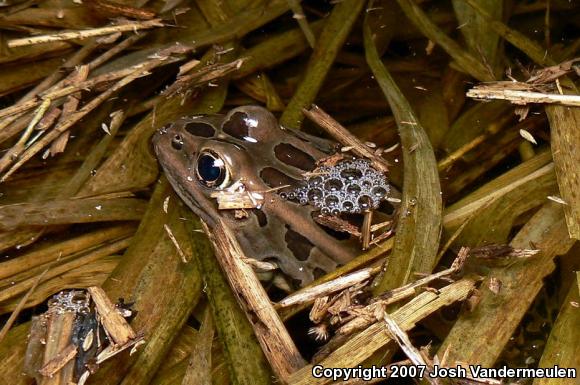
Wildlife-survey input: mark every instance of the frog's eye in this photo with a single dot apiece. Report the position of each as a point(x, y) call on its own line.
point(211, 170)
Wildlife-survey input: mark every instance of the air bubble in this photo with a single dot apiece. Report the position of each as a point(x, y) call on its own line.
point(351, 174)
point(353, 188)
point(314, 194)
point(347, 205)
point(331, 200)
point(333, 185)
point(316, 181)
point(379, 192)
point(365, 202)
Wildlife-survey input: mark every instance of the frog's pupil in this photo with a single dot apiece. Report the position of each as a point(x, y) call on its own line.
point(207, 169)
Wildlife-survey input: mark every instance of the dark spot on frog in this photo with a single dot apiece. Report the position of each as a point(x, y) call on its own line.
point(386, 207)
point(262, 220)
point(318, 272)
point(298, 244)
point(236, 126)
point(276, 178)
point(273, 260)
point(338, 235)
point(201, 129)
point(296, 283)
point(177, 142)
point(290, 155)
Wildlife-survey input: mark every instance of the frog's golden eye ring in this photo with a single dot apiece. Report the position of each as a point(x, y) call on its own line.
point(211, 170)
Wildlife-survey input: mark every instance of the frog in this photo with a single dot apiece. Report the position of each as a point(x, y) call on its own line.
point(247, 150)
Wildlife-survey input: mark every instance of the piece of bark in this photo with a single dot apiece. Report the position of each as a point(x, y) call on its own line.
point(522, 97)
point(270, 331)
point(116, 326)
point(82, 34)
point(58, 336)
point(59, 361)
point(311, 293)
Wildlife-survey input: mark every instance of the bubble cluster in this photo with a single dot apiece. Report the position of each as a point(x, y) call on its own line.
point(76, 301)
point(350, 186)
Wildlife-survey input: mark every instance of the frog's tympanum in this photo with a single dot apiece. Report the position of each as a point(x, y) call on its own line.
point(247, 150)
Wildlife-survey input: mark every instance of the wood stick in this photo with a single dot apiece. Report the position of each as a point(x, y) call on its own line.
point(366, 229)
point(60, 327)
point(326, 288)
point(343, 136)
point(59, 361)
point(69, 107)
point(105, 56)
point(15, 151)
point(83, 34)
point(522, 97)
point(114, 323)
point(276, 343)
point(407, 347)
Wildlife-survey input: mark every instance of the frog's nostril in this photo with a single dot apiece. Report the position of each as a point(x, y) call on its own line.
point(177, 142)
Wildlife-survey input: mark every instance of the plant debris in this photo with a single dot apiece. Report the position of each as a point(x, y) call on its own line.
point(79, 331)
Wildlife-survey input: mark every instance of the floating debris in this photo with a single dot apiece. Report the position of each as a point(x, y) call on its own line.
point(80, 329)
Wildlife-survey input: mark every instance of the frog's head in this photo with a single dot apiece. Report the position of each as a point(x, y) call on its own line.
point(204, 154)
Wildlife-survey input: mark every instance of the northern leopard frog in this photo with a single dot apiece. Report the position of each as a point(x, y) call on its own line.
point(247, 149)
